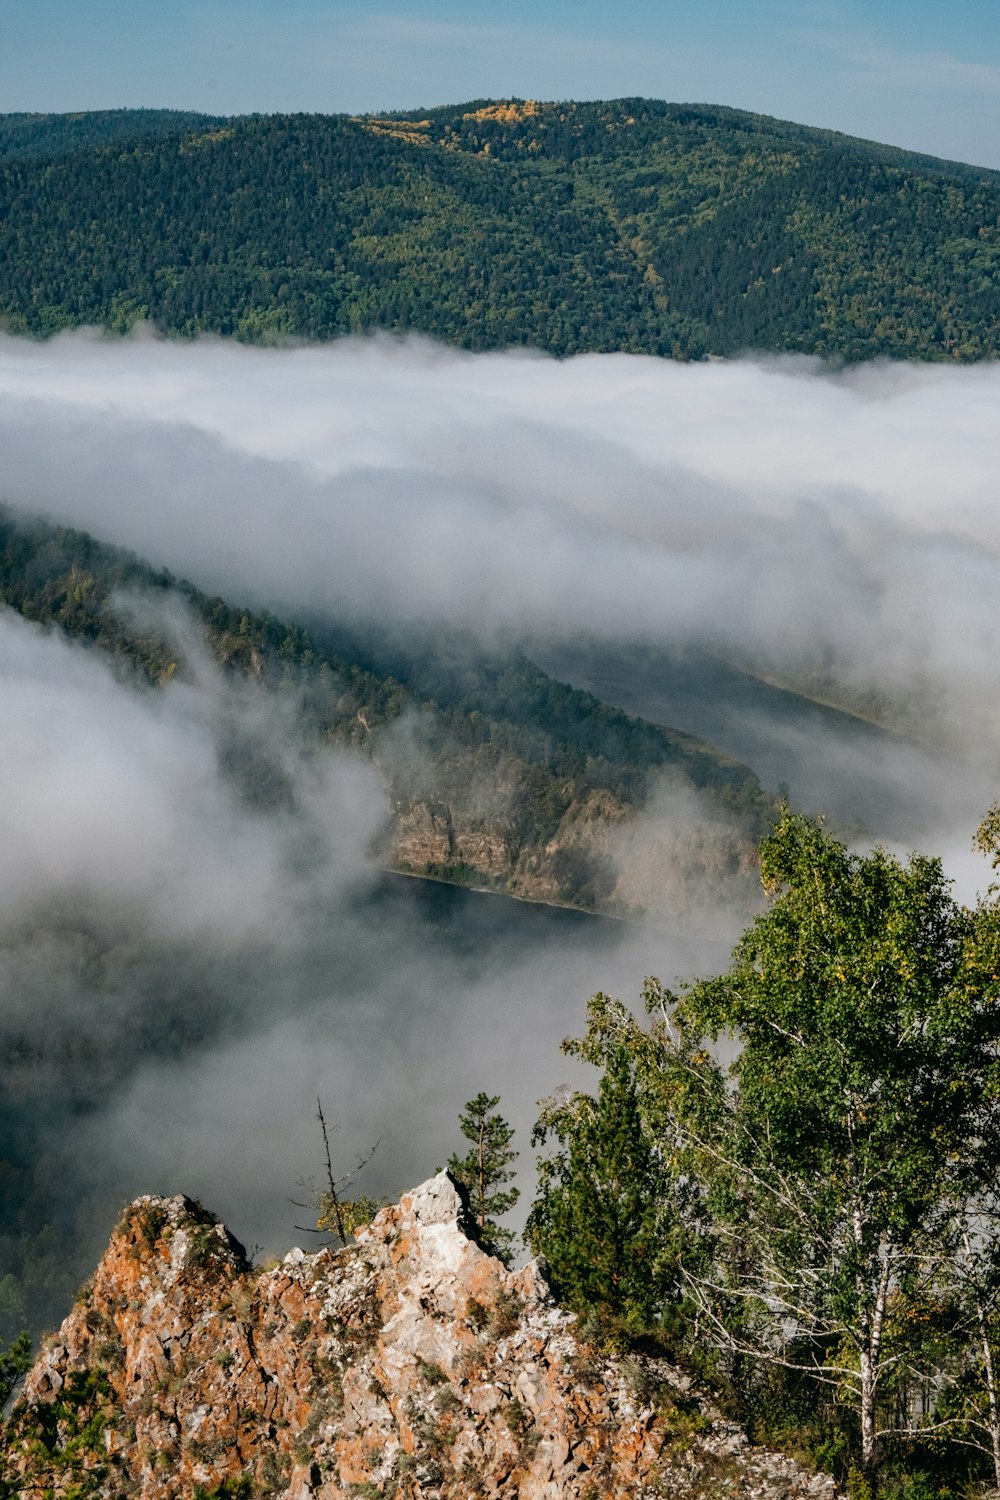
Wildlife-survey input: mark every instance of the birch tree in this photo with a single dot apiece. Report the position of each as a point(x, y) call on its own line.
point(823, 1173)
point(867, 1038)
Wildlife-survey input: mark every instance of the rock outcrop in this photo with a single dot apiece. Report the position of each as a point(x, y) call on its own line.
point(408, 1363)
point(603, 857)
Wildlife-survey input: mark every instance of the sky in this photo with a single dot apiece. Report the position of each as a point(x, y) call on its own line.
point(909, 72)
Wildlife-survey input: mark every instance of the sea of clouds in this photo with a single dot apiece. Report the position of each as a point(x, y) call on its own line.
point(825, 526)
point(769, 506)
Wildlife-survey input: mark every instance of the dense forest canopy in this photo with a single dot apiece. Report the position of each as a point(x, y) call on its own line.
point(631, 225)
point(51, 135)
point(814, 1223)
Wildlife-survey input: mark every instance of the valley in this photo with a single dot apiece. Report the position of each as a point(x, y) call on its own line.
point(828, 761)
point(456, 562)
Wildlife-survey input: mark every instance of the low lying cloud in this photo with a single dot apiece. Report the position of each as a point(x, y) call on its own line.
point(395, 1046)
point(182, 971)
point(117, 802)
point(838, 529)
point(185, 971)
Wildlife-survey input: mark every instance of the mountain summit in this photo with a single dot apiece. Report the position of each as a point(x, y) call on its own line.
point(632, 225)
point(407, 1363)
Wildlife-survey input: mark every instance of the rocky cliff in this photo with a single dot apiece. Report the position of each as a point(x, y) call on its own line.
point(409, 1363)
point(603, 856)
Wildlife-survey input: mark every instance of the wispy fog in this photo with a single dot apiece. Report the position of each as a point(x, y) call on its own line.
point(189, 971)
point(839, 528)
point(183, 971)
point(118, 803)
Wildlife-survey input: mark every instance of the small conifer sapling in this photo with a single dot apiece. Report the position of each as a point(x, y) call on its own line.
point(485, 1170)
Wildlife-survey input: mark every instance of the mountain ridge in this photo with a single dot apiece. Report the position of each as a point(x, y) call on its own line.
point(404, 1363)
point(708, 112)
point(506, 779)
point(626, 225)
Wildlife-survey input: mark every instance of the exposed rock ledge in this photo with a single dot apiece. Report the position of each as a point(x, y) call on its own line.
point(408, 1364)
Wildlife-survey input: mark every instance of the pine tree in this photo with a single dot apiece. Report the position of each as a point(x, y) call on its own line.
point(485, 1170)
point(14, 1361)
point(595, 1218)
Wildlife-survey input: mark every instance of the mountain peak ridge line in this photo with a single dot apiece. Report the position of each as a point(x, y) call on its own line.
point(408, 1362)
point(626, 225)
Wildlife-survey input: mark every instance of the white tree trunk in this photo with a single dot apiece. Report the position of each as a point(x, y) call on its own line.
point(867, 1413)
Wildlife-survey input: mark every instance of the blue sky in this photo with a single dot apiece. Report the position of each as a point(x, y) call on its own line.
point(914, 73)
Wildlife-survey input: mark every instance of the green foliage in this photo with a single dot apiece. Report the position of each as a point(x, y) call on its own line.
point(335, 1213)
point(66, 1434)
point(150, 1222)
point(827, 1203)
point(354, 1213)
point(598, 1220)
point(855, 1120)
point(485, 1170)
point(15, 1361)
point(228, 1489)
point(631, 224)
point(430, 1371)
point(51, 135)
point(847, 999)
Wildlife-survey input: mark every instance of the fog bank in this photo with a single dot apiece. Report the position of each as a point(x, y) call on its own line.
point(182, 971)
point(839, 529)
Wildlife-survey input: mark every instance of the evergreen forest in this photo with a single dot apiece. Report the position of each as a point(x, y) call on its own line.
point(631, 225)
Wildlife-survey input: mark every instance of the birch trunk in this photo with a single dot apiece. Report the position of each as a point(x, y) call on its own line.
point(988, 1367)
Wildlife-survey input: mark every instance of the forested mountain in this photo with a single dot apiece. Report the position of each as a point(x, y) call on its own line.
point(564, 759)
point(49, 135)
point(631, 225)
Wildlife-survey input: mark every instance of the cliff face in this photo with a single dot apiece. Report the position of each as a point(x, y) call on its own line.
point(602, 857)
point(409, 1363)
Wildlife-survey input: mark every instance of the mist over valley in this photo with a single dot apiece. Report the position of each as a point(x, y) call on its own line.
point(386, 547)
point(500, 750)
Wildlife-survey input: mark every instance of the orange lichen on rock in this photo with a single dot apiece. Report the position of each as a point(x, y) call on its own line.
point(407, 1364)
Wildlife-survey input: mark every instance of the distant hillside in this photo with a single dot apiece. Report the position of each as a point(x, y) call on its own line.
point(504, 778)
point(631, 225)
point(48, 135)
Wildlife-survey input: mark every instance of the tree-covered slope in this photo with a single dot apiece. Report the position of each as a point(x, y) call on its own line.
point(316, 226)
point(634, 225)
point(49, 135)
point(502, 775)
